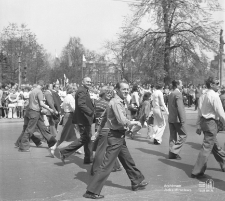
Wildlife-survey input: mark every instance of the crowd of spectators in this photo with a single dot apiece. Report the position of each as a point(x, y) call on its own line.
point(13, 100)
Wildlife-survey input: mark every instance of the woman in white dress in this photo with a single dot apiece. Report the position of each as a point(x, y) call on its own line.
point(159, 120)
point(13, 97)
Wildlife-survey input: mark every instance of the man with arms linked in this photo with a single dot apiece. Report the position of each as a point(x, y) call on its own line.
point(117, 123)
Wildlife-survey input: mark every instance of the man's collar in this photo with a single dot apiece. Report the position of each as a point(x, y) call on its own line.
point(120, 99)
point(177, 89)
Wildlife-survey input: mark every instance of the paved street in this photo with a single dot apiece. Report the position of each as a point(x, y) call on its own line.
point(36, 176)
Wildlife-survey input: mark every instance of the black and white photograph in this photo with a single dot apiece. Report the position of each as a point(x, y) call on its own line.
point(115, 100)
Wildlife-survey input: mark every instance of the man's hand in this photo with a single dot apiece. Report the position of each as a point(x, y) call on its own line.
point(94, 137)
point(51, 110)
point(135, 123)
point(198, 131)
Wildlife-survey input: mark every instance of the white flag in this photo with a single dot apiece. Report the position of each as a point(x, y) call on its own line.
point(64, 76)
point(67, 80)
point(84, 59)
point(56, 55)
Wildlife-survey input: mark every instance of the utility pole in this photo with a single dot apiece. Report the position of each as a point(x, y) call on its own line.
point(221, 50)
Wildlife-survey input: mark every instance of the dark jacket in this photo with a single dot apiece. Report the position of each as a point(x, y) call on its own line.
point(176, 108)
point(84, 107)
point(49, 101)
point(57, 101)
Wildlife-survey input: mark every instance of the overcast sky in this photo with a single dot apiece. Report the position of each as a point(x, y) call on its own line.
point(54, 21)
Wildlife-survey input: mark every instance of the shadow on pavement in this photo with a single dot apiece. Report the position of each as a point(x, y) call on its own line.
point(85, 177)
point(139, 138)
point(152, 152)
point(194, 145)
point(220, 184)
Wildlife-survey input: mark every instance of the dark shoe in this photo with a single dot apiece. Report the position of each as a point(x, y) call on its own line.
point(88, 163)
point(156, 142)
point(139, 186)
point(39, 145)
point(16, 145)
point(174, 156)
point(62, 157)
point(23, 150)
point(92, 195)
point(116, 170)
point(197, 176)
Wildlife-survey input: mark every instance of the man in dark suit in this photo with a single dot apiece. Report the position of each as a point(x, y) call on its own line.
point(84, 117)
point(176, 119)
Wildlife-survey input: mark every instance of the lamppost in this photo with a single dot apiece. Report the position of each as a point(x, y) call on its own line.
point(19, 69)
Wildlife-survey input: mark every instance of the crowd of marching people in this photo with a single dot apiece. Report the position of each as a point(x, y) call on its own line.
point(102, 115)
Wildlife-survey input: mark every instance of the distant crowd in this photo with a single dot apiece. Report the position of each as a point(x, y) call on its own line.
point(13, 100)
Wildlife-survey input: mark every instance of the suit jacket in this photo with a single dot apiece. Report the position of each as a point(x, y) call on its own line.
point(57, 101)
point(176, 107)
point(49, 101)
point(84, 113)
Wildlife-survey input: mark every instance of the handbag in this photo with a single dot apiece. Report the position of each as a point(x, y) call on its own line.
point(150, 120)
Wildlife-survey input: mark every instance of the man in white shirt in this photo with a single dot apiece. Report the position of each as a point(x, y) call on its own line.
point(209, 111)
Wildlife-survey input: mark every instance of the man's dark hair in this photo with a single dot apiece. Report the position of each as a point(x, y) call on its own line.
point(118, 85)
point(159, 85)
point(175, 83)
point(146, 96)
point(135, 88)
point(210, 80)
point(41, 83)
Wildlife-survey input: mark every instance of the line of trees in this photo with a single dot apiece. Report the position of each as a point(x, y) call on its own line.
point(176, 45)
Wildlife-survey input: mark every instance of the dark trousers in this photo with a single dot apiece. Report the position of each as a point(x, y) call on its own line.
point(196, 103)
point(178, 137)
point(35, 139)
point(36, 119)
point(190, 100)
point(52, 125)
point(84, 140)
point(1, 111)
point(209, 145)
point(116, 148)
point(100, 146)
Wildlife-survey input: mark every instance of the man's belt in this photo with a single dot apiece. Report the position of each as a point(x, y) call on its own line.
point(119, 133)
point(209, 119)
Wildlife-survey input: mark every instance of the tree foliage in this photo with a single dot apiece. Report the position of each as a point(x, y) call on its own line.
point(19, 41)
point(180, 35)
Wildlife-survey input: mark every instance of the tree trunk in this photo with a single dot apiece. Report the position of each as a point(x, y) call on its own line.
point(167, 60)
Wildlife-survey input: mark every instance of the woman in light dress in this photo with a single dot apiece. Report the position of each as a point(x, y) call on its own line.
point(159, 120)
point(13, 97)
